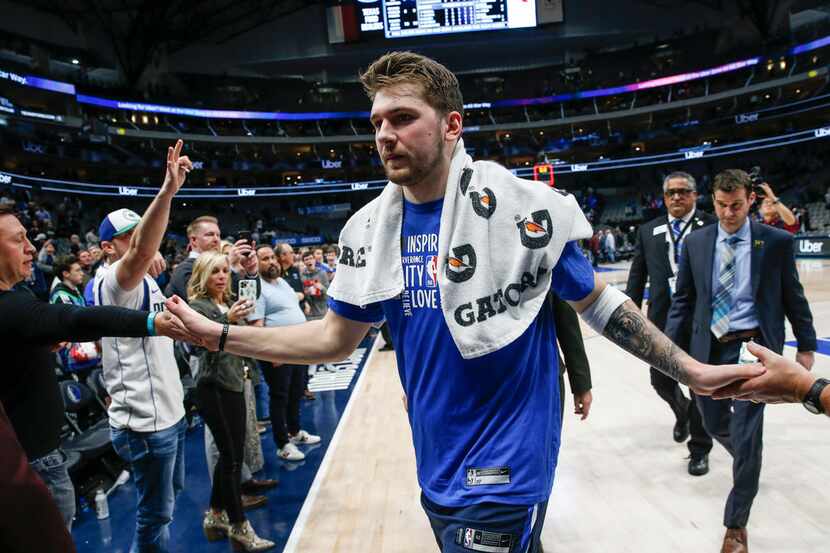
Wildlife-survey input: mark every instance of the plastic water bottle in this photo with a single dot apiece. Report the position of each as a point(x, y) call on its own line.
point(102, 508)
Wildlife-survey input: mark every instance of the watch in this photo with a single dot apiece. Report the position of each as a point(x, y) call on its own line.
point(812, 401)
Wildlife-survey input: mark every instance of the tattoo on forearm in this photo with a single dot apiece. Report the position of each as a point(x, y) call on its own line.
point(630, 330)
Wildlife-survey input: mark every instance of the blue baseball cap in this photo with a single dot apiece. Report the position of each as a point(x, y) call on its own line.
point(118, 222)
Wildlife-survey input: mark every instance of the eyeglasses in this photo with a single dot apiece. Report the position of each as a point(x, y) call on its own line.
point(683, 192)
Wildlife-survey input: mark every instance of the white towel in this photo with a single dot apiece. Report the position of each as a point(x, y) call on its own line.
point(499, 240)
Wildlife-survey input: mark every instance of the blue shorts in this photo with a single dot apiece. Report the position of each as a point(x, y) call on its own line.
point(487, 527)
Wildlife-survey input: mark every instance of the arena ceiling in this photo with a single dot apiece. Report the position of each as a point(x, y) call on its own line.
point(137, 29)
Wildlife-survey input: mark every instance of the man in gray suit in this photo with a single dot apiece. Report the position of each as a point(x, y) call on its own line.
point(723, 299)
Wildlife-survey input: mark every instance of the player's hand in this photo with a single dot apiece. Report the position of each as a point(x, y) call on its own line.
point(241, 309)
point(178, 166)
point(157, 265)
point(582, 404)
point(704, 379)
point(201, 330)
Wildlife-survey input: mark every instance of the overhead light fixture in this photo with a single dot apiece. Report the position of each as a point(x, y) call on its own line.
point(76, 61)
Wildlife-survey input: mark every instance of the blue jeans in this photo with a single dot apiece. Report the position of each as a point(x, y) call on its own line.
point(52, 469)
point(157, 460)
point(263, 403)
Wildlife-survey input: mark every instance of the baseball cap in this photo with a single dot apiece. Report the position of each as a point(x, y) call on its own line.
point(118, 222)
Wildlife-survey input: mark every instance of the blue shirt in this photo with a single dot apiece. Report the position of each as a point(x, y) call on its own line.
point(278, 305)
point(484, 429)
point(742, 315)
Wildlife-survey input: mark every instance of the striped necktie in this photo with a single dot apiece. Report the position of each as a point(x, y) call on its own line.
point(722, 300)
point(675, 230)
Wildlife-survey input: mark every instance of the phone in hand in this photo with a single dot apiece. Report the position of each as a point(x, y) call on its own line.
point(246, 236)
point(246, 289)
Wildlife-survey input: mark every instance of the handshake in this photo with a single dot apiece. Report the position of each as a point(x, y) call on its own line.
point(773, 380)
point(783, 381)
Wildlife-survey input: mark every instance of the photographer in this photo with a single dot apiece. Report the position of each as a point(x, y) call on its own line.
point(773, 212)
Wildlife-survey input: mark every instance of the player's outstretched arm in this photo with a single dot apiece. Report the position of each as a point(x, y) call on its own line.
point(328, 340)
point(611, 313)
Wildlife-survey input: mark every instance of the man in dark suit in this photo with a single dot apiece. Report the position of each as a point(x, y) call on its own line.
point(656, 255)
point(737, 281)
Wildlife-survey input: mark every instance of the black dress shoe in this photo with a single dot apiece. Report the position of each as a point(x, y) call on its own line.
point(698, 466)
point(681, 431)
point(253, 487)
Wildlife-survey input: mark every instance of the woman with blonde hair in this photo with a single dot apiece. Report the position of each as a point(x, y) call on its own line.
point(219, 389)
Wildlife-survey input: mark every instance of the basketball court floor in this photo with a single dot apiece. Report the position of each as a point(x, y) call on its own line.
point(621, 484)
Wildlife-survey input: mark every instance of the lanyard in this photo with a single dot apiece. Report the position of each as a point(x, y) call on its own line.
point(676, 241)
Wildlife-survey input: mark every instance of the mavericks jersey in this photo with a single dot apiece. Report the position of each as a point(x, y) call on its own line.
point(484, 429)
point(140, 374)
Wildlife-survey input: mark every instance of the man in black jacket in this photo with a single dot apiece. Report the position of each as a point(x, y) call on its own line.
point(656, 255)
point(29, 328)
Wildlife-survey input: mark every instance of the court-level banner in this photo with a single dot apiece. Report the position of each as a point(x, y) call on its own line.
point(812, 246)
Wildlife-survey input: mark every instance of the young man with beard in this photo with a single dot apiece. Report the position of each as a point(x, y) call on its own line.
point(478, 361)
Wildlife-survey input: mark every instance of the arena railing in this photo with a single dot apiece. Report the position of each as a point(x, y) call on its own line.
point(15, 180)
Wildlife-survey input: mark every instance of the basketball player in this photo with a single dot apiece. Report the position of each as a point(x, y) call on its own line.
point(486, 426)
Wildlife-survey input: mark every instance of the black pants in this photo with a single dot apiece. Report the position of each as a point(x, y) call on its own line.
point(224, 413)
point(684, 409)
point(286, 384)
point(739, 427)
point(387, 335)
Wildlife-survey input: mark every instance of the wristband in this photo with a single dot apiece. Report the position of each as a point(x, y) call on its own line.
point(225, 329)
point(598, 313)
point(151, 323)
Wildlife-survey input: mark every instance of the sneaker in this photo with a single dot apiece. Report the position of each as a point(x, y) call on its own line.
point(289, 452)
point(304, 438)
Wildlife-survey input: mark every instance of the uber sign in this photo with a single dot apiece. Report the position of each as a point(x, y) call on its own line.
point(810, 247)
point(5, 179)
point(127, 191)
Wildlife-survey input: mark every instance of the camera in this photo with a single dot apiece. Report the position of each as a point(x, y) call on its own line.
point(757, 178)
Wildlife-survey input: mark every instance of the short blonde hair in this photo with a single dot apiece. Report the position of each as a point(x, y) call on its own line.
point(205, 266)
point(194, 224)
point(439, 86)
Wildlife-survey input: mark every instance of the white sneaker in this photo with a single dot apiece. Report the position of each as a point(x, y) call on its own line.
point(304, 438)
point(289, 452)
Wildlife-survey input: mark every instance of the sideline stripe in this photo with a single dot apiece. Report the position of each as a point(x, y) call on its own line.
point(308, 504)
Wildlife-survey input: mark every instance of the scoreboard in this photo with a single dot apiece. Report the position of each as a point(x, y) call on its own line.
point(410, 18)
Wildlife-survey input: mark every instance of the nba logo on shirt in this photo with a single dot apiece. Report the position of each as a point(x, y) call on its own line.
point(469, 534)
point(432, 271)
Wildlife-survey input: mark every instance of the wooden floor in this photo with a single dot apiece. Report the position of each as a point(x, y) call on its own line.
point(621, 485)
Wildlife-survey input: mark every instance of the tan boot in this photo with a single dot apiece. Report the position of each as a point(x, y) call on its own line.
point(216, 525)
point(243, 538)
